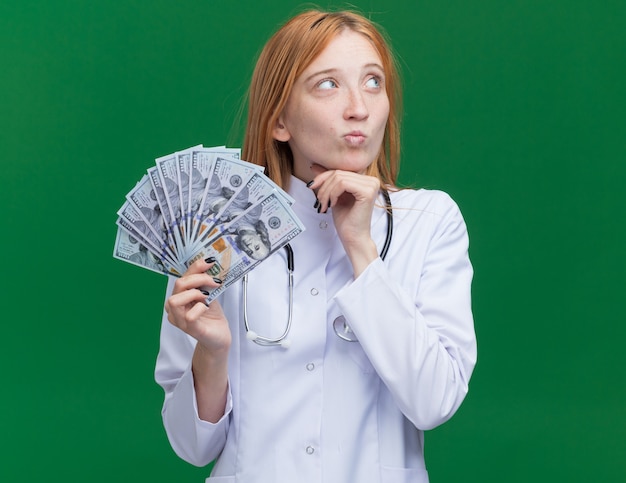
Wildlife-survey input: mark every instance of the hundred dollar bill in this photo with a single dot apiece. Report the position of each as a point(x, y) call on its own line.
point(227, 178)
point(240, 215)
point(183, 171)
point(261, 186)
point(249, 239)
point(172, 267)
point(159, 193)
point(256, 189)
point(201, 166)
point(125, 225)
point(143, 197)
point(132, 220)
point(169, 178)
point(131, 250)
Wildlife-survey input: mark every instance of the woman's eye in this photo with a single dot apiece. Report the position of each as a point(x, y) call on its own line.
point(327, 84)
point(373, 82)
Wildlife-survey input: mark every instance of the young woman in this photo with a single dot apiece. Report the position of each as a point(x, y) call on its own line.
point(382, 345)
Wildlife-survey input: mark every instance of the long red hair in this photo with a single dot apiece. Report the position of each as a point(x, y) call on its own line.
point(285, 56)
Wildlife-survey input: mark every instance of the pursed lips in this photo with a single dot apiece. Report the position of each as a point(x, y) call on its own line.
point(355, 138)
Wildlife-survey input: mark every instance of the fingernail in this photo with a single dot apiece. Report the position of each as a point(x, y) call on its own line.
point(210, 260)
point(317, 204)
point(319, 207)
point(217, 280)
point(204, 292)
point(310, 183)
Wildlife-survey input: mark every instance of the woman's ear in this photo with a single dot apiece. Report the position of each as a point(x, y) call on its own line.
point(280, 132)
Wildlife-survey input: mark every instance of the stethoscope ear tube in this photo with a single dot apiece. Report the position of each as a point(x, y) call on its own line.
point(388, 209)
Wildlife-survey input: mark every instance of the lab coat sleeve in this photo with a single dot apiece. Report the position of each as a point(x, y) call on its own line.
point(421, 344)
point(196, 441)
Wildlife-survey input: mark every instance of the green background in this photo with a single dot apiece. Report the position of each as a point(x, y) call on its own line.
point(516, 108)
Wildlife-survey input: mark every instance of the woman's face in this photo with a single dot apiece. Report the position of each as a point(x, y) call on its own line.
point(337, 111)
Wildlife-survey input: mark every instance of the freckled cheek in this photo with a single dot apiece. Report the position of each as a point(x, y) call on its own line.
point(383, 107)
point(383, 117)
point(319, 127)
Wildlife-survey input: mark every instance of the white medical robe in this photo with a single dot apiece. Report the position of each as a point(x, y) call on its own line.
point(326, 410)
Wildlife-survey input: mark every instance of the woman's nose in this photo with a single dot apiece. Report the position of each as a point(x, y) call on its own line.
point(356, 107)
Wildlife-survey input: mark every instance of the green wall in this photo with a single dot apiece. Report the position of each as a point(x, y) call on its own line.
point(516, 108)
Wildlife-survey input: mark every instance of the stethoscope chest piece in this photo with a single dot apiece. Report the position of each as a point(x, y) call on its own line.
point(343, 330)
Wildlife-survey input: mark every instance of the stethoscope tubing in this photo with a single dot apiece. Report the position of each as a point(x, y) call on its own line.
point(266, 341)
point(282, 339)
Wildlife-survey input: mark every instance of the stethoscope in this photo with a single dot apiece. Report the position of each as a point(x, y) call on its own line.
point(340, 326)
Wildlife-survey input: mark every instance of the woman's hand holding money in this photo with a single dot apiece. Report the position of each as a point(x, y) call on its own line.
point(186, 309)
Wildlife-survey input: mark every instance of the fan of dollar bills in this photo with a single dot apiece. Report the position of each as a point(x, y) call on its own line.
point(204, 202)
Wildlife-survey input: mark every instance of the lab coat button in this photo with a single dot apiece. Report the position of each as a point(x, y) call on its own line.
point(310, 450)
point(323, 225)
point(310, 366)
point(314, 291)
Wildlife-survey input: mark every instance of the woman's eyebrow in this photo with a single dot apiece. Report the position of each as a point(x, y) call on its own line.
point(334, 70)
point(374, 64)
point(320, 73)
